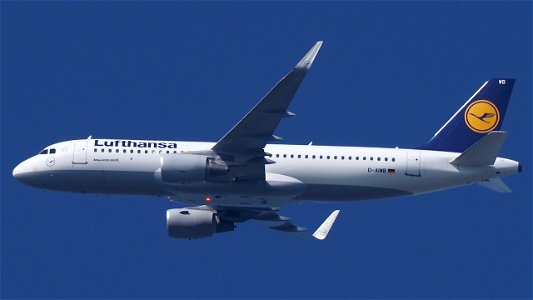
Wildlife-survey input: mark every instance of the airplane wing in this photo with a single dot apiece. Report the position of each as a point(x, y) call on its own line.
point(270, 218)
point(244, 143)
point(242, 150)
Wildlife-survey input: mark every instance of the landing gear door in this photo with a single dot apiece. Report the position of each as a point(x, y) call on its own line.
point(80, 152)
point(413, 164)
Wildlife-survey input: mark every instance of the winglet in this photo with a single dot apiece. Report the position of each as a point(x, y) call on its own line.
point(322, 231)
point(308, 59)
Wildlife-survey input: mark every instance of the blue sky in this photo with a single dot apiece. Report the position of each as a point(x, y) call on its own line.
point(389, 74)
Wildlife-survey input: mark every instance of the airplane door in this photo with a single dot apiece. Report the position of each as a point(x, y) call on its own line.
point(413, 163)
point(80, 152)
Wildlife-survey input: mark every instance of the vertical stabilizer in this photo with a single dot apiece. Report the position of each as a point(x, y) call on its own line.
point(481, 114)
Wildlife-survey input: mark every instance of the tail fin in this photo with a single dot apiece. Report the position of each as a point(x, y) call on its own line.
point(481, 114)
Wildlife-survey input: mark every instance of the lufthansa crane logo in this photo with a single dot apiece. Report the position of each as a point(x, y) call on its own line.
point(482, 116)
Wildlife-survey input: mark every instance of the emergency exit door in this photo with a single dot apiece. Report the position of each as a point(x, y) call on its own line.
point(413, 163)
point(80, 152)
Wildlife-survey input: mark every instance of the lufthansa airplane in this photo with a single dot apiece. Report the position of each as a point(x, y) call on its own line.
point(242, 177)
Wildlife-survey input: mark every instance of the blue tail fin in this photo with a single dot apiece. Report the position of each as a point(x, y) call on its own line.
point(481, 114)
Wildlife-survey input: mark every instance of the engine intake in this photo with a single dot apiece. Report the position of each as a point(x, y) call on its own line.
point(187, 168)
point(187, 223)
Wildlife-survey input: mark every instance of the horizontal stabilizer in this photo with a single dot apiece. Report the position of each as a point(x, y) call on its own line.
point(484, 152)
point(496, 185)
point(322, 231)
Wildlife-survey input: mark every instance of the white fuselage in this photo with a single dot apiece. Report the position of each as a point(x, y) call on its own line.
point(300, 172)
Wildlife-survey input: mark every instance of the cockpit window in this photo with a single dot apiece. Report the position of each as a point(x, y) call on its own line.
point(52, 151)
point(45, 151)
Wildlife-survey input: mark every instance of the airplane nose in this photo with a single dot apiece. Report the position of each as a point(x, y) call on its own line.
point(22, 169)
point(17, 171)
point(28, 172)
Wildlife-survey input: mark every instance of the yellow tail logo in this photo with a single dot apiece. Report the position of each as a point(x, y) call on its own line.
point(482, 116)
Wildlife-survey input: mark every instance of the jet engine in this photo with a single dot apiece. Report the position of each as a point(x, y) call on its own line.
point(187, 223)
point(187, 168)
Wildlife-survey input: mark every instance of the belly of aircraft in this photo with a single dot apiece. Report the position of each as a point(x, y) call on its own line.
point(238, 194)
point(101, 182)
point(324, 192)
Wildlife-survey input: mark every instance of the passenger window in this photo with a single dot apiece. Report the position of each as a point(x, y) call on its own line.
point(110, 150)
point(314, 156)
point(307, 156)
point(327, 157)
point(342, 157)
point(321, 156)
point(349, 158)
point(393, 159)
point(102, 150)
point(117, 150)
point(139, 151)
point(386, 159)
point(124, 151)
point(284, 155)
point(153, 151)
point(292, 155)
point(299, 156)
point(371, 158)
point(145, 151)
point(335, 157)
point(95, 150)
point(131, 151)
point(379, 158)
point(364, 157)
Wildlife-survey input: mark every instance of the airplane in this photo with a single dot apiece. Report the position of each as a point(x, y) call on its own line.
point(242, 177)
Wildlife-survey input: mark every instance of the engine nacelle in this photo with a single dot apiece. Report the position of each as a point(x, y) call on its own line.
point(187, 223)
point(187, 168)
